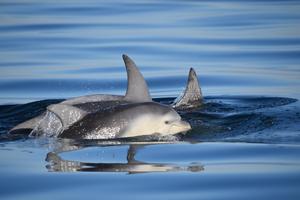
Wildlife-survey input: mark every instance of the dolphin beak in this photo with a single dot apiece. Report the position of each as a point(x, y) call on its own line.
point(185, 125)
point(181, 126)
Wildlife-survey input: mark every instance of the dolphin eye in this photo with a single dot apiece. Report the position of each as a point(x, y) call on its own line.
point(167, 122)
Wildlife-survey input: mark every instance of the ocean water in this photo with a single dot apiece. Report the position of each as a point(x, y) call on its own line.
point(244, 142)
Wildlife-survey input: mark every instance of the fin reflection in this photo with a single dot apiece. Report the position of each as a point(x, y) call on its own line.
point(57, 164)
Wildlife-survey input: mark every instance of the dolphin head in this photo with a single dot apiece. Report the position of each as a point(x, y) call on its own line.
point(171, 123)
point(154, 118)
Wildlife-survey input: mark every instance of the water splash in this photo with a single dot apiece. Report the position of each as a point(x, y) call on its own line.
point(48, 126)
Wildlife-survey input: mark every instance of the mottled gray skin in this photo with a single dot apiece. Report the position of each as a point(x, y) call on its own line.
point(116, 117)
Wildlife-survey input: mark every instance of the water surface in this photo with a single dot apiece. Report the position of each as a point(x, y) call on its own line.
point(245, 138)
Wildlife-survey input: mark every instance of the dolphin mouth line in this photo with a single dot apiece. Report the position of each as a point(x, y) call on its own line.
point(182, 125)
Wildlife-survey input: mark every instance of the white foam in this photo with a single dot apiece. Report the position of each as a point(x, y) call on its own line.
point(48, 126)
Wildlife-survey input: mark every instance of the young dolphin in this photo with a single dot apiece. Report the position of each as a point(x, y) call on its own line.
point(123, 120)
point(116, 116)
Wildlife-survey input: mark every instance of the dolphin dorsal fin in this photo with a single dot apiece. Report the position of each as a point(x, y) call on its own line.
point(192, 95)
point(66, 113)
point(137, 89)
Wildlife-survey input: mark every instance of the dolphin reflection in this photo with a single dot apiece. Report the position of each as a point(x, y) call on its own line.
point(132, 166)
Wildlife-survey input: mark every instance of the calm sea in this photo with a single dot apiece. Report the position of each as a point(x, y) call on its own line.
point(245, 139)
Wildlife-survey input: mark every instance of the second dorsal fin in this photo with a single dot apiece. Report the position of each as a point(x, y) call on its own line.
point(192, 95)
point(137, 89)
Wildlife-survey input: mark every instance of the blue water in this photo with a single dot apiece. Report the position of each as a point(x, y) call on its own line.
point(245, 139)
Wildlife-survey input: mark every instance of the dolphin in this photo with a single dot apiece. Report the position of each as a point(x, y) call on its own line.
point(75, 109)
point(122, 120)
